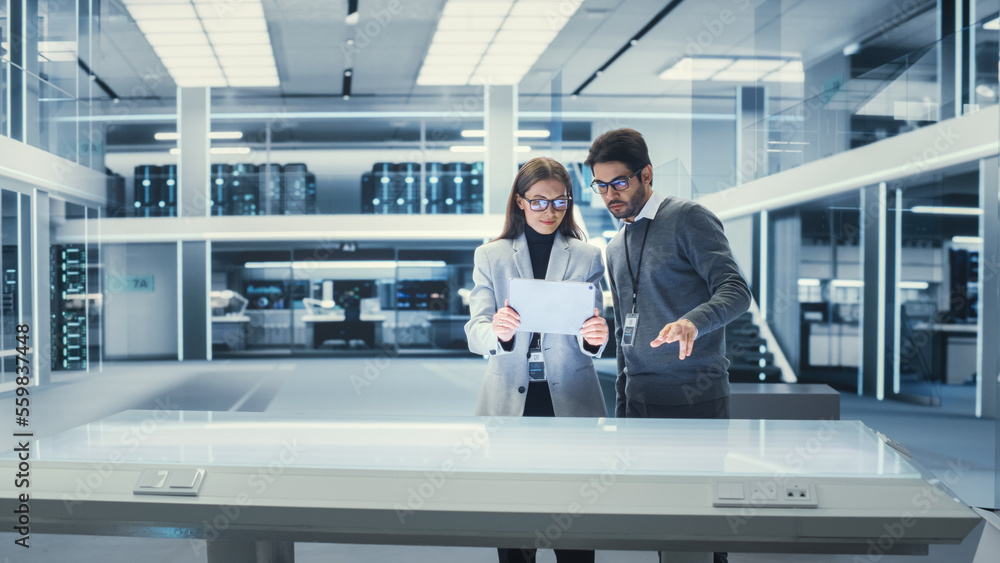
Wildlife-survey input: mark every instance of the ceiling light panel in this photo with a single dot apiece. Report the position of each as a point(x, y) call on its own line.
point(189, 25)
point(202, 43)
point(552, 10)
point(468, 23)
point(162, 11)
point(469, 9)
point(513, 34)
point(234, 25)
point(756, 65)
point(167, 39)
point(239, 38)
point(230, 10)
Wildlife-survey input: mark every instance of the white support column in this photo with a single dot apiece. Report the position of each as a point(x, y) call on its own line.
point(500, 121)
point(989, 292)
point(193, 124)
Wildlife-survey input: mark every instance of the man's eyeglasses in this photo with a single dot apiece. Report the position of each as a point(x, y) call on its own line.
point(619, 184)
point(541, 204)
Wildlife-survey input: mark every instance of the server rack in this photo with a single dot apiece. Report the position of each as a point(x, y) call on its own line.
point(368, 199)
point(311, 205)
point(147, 190)
point(299, 200)
point(434, 188)
point(8, 295)
point(221, 183)
point(68, 290)
point(272, 183)
point(245, 193)
point(384, 173)
point(405, 185)
point(168, 191)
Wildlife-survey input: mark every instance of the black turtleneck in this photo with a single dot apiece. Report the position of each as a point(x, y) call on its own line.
point(540, 248)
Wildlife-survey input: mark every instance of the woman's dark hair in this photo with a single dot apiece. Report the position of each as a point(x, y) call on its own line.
point(534, 171)
point(619, 145)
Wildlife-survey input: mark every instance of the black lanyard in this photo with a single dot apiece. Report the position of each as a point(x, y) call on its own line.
point(628, 260)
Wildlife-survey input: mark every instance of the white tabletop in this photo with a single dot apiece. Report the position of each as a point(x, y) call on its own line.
point(564, 446)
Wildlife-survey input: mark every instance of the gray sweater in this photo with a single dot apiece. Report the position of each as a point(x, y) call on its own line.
point(688, 271)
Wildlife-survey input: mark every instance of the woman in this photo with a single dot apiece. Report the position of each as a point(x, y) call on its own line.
point(540, 240)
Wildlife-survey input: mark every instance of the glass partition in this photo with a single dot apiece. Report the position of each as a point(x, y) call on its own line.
point(15, 256)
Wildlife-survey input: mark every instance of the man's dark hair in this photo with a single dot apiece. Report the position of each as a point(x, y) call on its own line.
point(622, 145)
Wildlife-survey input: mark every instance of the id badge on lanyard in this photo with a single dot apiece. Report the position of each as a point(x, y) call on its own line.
point(536, 366)
point(628, 334)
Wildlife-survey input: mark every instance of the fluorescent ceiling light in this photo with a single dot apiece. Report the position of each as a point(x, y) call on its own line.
point(993, 25)
point(967, 240)
point(178, 51)
point(914, 285)
point(231, 10)
point(173, 136)
point(852, 49)
point(524, 133)
point(170, 39)
point(235, 25)
point(756, 65)
point(219, 150)
point(201, 82)
point(249, 72)
point(456, 23)
point(517, 36)
point(847, 283)
point(196, 72)
point(244, 50)
point(735, 76)
point(808, 282)
point(552, 10)
point(347, 264)
point(451, 36)
point(190, 25)
point(470, 48)
point(481, 148)
point(181, 10)
point(467, 9)
point(523, 23)
point(239, 38)
point(517, 48)
point(189, 62)
point(946, 210)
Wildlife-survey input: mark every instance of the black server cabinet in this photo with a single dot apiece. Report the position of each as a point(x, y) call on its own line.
point(311, 193)
point(245, 192)
point(221, 183)
point(368, 193)
point(147, 190)
point(168, 191)
point(434, 198)
point(272, 191)
point(8, 295)
point(473, 198)
point(384, 173)
point(116, 196)
point(68, 291)
point(298, 200)
point(405, 186)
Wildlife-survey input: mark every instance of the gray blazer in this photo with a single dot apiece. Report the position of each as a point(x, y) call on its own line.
point(569, 368)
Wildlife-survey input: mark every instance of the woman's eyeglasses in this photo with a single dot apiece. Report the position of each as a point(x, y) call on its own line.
point(619, 184)
point(541, 204)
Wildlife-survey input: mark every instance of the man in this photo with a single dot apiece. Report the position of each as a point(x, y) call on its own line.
point(687, 288)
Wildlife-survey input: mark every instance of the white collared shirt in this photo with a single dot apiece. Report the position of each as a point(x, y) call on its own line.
point(648, 211)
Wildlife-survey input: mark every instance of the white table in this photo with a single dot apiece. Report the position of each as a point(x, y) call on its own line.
point(511, 482)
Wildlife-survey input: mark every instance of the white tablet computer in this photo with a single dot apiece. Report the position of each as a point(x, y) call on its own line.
point(553, 307)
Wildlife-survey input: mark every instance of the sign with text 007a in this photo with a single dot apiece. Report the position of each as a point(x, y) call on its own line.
point(125, 284)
